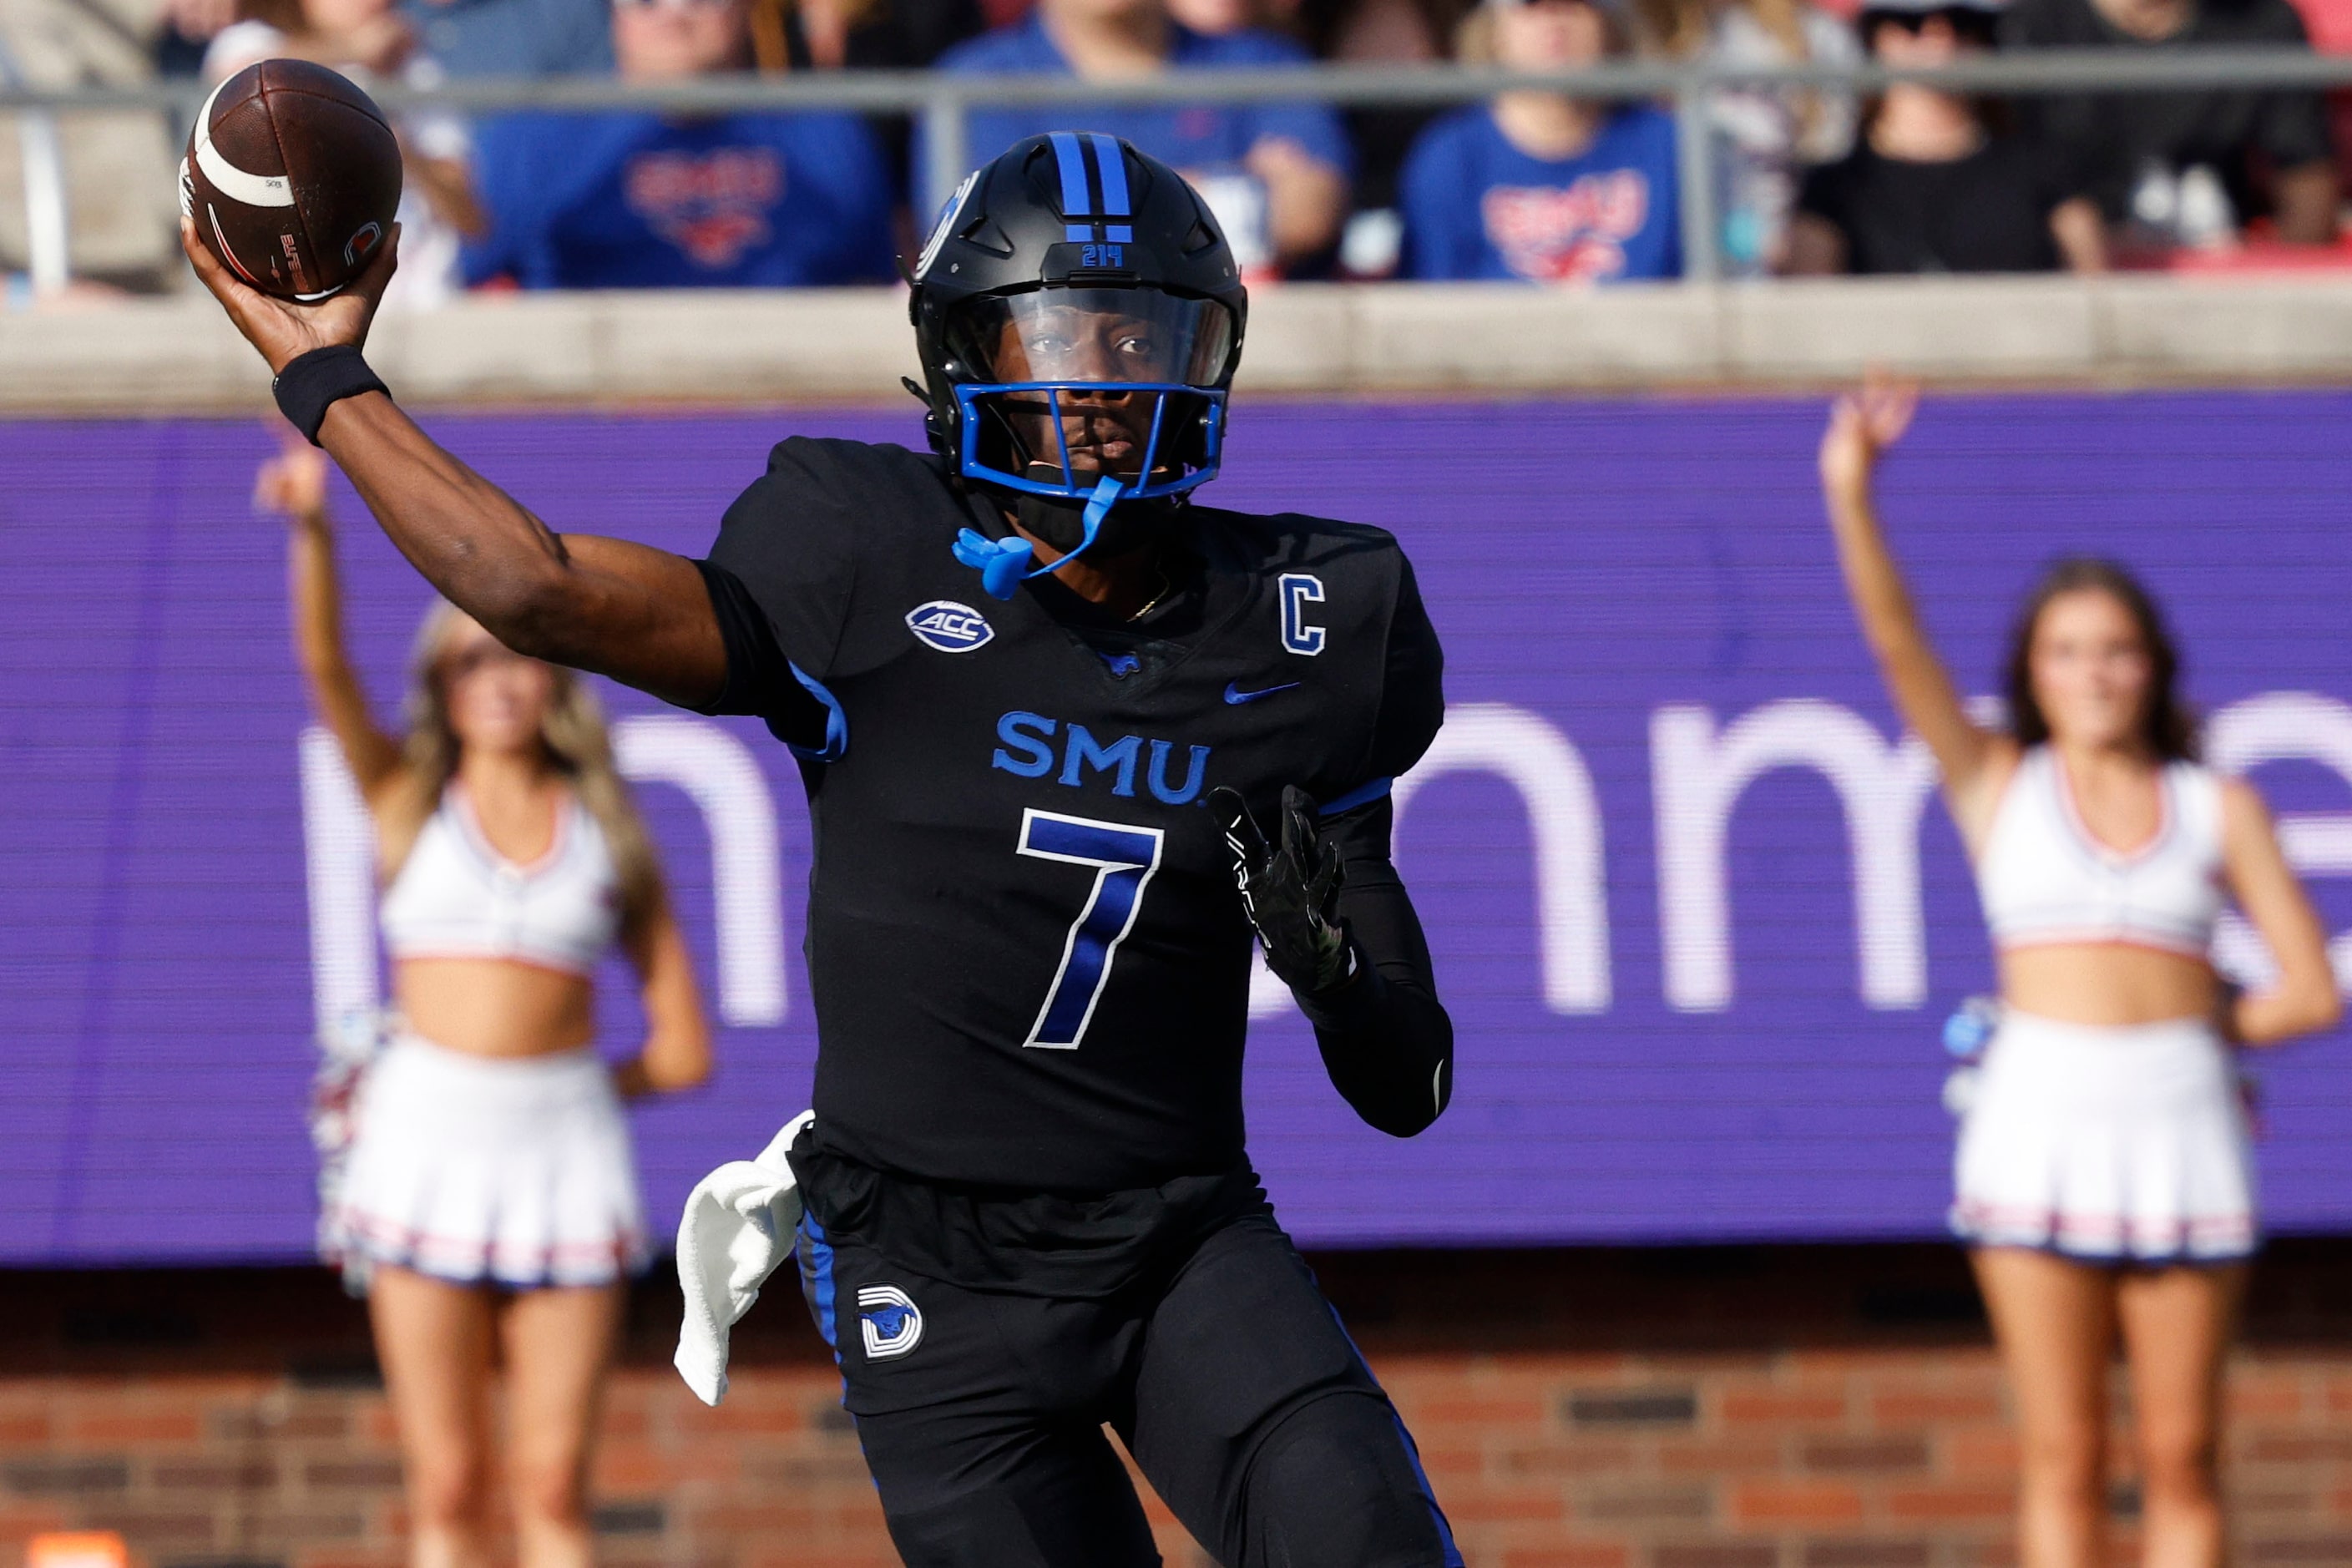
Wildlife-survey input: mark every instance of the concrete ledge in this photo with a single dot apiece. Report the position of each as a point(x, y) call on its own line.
point(1475, 337)
point(853, 345)
point(2023, 327)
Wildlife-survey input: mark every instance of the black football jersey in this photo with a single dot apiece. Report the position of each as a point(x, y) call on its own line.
point(1029, 962)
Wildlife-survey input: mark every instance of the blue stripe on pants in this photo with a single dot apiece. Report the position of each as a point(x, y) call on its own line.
point(821, 1286)
point(1412, 1453)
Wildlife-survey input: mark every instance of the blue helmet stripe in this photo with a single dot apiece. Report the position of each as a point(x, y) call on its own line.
point(1113, 169)
point(1073, 166)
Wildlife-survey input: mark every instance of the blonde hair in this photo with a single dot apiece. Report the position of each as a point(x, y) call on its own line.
point(577, 743)
point(1474, 36)
point(1680, 28)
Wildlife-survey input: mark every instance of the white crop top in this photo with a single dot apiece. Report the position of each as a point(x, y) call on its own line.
point(2044, 880)
point(457, 897)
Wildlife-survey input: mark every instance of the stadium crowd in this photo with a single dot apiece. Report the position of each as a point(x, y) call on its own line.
point(1531, 186)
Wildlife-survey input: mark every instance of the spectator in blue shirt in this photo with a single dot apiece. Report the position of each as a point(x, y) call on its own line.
point(515, 37)
point(636, 200)
point(1537, 186)
point(1276, 174)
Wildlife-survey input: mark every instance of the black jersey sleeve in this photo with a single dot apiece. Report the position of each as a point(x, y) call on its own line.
point(790, 540)
point(1413, 687)
point(760, 679)
point(1385, 1038)
point(808, 578)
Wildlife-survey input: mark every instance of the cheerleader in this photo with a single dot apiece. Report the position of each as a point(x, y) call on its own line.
point(491, 1200)
point(2105, 1181)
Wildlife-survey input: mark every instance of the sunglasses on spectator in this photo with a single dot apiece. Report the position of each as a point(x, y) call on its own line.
point(1968, 22)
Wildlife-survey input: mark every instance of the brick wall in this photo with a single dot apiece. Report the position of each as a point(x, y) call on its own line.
point(1706, 1408)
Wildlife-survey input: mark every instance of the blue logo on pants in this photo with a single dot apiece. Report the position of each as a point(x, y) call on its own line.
point(890, 1324)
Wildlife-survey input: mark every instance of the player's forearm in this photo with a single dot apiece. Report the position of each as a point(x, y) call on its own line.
point(473, 542)
point(1388, 1045)
point(1386, 1039)
point(606, 606)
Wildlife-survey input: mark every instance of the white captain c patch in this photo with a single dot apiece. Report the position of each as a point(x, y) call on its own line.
point(1300, 589)
point(890, 1324)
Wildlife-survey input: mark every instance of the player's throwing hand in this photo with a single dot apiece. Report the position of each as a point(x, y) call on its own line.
point(283, 330)
point(1291, 892)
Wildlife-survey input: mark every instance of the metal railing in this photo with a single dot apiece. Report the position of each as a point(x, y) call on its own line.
point(943, 102)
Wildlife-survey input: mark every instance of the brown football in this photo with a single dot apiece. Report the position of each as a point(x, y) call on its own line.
point(292, 175)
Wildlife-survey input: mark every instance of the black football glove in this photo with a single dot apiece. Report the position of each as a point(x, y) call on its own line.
point(1291, 893)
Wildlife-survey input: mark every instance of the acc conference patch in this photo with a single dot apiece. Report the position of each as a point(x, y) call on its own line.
point(949, 627)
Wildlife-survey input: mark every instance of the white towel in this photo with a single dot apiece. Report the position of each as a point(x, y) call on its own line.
point(736, 1231)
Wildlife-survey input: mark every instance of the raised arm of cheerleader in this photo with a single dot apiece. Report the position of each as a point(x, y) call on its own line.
point(2303, 999)
point(1975, 761)
point(294, 486)
point(677, 1053)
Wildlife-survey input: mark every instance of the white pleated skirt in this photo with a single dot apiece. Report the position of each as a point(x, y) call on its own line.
point(483, 1170)
point(2115, 1145)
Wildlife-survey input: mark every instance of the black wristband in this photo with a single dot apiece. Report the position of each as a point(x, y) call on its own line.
point(312, 381)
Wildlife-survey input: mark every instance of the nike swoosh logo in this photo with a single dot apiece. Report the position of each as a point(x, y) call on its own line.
point(1236, 695)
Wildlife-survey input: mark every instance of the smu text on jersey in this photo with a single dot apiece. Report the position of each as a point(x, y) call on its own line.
point(1028, 751)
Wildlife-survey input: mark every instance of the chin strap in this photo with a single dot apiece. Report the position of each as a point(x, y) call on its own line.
point(1001, 562)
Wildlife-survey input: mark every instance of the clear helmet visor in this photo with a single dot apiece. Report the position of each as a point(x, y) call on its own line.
point(1064, 388)
point(1093, 336)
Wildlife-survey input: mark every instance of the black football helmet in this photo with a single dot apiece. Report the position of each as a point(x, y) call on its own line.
point(1078, 315)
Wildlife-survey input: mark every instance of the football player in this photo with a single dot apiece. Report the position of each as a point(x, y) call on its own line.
point(1069, 739)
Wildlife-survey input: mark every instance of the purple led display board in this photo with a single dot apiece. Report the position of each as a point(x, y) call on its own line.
point(1694, 904)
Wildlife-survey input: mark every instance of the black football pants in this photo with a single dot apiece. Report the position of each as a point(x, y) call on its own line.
point(1233, 1385)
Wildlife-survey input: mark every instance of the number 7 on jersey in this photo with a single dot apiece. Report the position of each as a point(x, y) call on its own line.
point(1124, 858)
